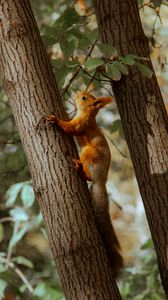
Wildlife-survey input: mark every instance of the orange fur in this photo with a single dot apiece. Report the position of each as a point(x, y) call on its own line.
point(94, 165)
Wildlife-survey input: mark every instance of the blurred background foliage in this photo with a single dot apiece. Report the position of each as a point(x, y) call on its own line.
point(80, 62)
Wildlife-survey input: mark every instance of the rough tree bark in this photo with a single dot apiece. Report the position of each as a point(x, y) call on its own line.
point(63, 197)
point(143, 117)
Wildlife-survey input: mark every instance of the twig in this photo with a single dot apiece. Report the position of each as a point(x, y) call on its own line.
point(79, 69)
point(74, 3)
point(6, 219)
point(19, 273)
point(145, 4)
point(103, 87)
point(92, 76)
point(91, 81)
point(13, 172)
point(8, 142)
point(6, 118)
point(114, 144)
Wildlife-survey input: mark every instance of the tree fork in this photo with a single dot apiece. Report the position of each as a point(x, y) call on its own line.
point(143, 117)
point(30, 86)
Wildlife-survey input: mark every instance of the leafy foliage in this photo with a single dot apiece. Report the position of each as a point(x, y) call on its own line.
point(25, 220)
point(143, 283)
point(74, 39)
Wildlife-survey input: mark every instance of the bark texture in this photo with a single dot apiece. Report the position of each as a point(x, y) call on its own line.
point(143, 117)
point(63, 197)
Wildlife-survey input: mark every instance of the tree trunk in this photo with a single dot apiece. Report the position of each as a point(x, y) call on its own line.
point(143, 117)
point(63, 197)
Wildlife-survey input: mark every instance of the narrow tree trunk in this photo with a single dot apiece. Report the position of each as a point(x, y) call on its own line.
point(63, 197)
point(143, 117)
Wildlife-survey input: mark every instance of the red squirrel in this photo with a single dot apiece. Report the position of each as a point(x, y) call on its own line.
point(94, 165)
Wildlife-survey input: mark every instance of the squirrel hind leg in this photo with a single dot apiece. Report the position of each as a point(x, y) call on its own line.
point(79, 168)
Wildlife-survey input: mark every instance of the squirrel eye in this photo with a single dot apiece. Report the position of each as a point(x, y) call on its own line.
point(84, 98)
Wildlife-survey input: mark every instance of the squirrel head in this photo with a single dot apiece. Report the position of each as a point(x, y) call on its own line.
point(87, 102)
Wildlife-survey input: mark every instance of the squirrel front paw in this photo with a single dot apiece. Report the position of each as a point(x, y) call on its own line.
point(52, 119)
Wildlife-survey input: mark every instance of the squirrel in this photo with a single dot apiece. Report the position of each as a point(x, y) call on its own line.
point(93, 165)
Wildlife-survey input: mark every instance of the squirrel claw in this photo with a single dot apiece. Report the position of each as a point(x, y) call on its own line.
point(79, 168)
point(77, 163)
point(51, 119)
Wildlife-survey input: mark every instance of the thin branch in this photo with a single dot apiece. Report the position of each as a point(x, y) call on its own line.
point(13, 172)
point(91, 81)
point(10, 142)
point(114, 144)
point(79, 69)
point(103, 87)
point(75, 2)
point(92, 76)
point(145, 4)
point(7, 219)
point(4, 102)
point(19, 273)
point(6, 118)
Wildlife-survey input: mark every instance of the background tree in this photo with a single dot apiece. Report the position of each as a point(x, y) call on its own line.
point(144, 119)
point(29, 84)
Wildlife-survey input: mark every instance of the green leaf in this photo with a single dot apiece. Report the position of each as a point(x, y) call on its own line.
point(115, 126)
point(151, 281)
point(126, 289)
point(2, 268)
point(19, 214)
point(147, 245)
point(40, 290)
point(17, 234)
point(157, 3)
point(48, 30)
point(84, 43)
point(114, 73)
point(61, 75)
point(3, 285)
point(92, 35)
point(72, 64)
point(1, 233)
point(22, 288)
point(57, 63)
point(47, 292)
point(13, 192)
point(67, 47)
point(67, 19)
point(128, 60)
point(136, 57)
point(50, 35)
point(48, 40)
point(93, 62)
point(107, 50)
point(27, 196)
point(156, 296)
point(122, 68)
point(145, 71)
point(77, 33)
point(21, 260)
point(140, 2)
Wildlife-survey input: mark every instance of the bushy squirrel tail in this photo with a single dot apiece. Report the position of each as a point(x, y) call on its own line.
point(101, 210)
